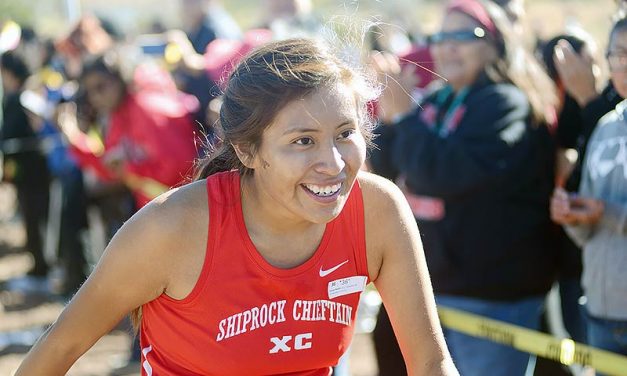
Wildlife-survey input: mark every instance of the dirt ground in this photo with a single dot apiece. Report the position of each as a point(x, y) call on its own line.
point(25, 314)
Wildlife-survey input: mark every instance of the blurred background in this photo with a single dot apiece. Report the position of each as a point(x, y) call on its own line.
point(52, 17)
point(74, 60)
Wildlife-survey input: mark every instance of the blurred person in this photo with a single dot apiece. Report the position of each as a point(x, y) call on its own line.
point(516, 13)
point(87, 38)
point(596, 217)
point(24, 164)
point(475, 161)
point(203, 21)
point(157, 27)
point(569, 127)
point(576, 74)
point(146, 120)
point(584, 103)
point(279, 230)
point(206, 20)
point(143, 125)
point(291, 18)
point(417, 54)
point(31, 48)
point(208, 71)
point(73, 214)
point(581, 110)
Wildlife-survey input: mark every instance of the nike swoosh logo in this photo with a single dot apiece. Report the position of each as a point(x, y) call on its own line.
point(324, 273)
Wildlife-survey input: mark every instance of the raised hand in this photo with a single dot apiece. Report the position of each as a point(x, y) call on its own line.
point(576, 72)
point(575, 210)
point(398, 83)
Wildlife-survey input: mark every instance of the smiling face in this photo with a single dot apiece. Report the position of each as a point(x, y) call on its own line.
point(461, 62)
point(309, 158)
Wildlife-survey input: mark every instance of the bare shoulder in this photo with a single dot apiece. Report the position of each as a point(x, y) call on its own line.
point(169, 216)
point(165, 239)
point(388, 219)
point(178, 208)
point(380, 195)
point(178, 222)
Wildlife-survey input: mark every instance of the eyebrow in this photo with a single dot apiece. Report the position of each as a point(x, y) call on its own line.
point(298, 129)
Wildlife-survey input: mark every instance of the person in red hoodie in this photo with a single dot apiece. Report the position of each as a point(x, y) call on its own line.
point(149, 141)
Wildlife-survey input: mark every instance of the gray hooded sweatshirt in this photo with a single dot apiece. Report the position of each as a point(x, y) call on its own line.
point(605, 243)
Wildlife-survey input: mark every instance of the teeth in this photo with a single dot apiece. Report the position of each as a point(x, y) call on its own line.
point(324, 191)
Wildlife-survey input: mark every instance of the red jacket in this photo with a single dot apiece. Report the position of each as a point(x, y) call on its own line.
point(152, 134)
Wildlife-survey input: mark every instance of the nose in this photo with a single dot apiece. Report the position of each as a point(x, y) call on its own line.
point(330, 160)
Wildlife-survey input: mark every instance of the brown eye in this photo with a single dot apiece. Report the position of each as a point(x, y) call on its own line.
point(305, 141)
point(347, 133)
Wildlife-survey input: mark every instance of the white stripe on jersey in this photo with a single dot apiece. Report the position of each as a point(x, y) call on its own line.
point(145, 364)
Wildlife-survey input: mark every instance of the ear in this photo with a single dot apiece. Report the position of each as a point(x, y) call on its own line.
point(245, 155)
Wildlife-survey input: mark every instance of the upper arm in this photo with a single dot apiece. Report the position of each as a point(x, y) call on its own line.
point(398, 269)
point(137, 267)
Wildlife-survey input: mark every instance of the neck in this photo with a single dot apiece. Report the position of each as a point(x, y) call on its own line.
point(282, 240)
point(261, 215)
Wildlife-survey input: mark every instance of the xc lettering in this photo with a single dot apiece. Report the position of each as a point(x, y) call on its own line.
point(301, 342)
point(280, 344)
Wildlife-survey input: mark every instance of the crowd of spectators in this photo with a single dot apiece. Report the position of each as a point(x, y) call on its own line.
point(510, 151)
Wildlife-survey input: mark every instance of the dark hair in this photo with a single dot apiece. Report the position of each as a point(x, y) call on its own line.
point(620, 24)
point(28, 34)
point(547, 51)
point(15, 64)
point(107, 65)
point(519, 67)
point(264, 82)
point(103, 64)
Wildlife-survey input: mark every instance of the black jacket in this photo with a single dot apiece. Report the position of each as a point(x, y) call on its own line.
point(495, 176)
point(29, 169)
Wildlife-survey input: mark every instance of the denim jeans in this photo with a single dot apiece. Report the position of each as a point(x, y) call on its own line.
point(610, 335)
point(476, 356)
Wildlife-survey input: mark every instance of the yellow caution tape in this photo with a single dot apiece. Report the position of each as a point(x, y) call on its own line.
point(565, 351)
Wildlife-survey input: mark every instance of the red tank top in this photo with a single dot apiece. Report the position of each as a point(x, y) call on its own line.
point(247, 317)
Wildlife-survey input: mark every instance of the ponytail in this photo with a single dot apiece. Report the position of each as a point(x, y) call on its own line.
point(219, 158)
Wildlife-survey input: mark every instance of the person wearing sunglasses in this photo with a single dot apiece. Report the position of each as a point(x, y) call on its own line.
point(475, 161)
point(459, 36)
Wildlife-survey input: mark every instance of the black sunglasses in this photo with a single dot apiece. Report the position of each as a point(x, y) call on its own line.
point(456, 36)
